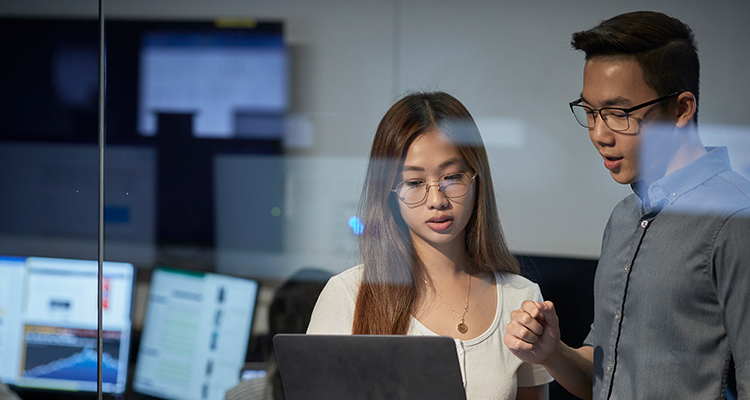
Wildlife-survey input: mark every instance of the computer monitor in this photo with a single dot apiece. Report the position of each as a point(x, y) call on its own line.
point(48, 323)
point(233, 81)
point(231, 74)
point(195, 334)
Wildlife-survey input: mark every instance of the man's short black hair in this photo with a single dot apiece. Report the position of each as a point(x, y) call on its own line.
point(663, 46)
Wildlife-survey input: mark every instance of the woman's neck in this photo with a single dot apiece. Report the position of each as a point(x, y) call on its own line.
point(444, 264)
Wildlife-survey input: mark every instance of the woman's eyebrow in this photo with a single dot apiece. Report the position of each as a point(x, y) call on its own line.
point(411, 168)
point(451, 162)
point(443, 165)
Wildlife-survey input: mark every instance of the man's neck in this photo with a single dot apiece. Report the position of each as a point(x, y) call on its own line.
point(686, 154)
point(687, 151)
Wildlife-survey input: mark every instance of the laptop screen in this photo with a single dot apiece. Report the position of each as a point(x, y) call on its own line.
point(195, 334)
point(48, 323)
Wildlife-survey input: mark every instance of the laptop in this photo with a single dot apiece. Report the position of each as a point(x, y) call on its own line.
point(353, 367)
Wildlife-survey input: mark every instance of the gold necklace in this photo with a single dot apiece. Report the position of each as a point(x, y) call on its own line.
point(461, 327)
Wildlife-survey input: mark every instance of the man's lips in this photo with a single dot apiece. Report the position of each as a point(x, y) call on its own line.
point(440, 223)
point(611, 162)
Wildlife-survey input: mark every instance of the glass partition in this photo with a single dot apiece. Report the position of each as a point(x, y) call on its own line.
point(237, 142)
point(49, 171)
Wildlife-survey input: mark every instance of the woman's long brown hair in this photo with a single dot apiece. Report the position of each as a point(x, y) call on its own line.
point(389, 291)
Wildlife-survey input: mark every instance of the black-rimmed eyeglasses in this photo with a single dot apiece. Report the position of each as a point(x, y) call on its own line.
point(616, 119)
point(414, 191)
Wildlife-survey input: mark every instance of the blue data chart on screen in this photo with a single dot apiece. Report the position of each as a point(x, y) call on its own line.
point(195, 334)
point(69, 354)
point(48, 323)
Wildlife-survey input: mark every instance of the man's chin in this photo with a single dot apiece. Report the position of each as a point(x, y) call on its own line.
point(622, 178)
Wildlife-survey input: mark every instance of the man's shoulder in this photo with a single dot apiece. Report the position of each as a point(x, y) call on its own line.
point(723, 195)
point(737, 186)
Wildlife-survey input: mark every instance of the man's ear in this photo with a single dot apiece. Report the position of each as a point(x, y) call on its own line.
point(685, 109)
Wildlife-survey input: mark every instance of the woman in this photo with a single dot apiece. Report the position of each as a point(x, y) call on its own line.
point(434, 259)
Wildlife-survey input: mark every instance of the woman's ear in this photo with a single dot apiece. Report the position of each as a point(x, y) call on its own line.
point(686, 106)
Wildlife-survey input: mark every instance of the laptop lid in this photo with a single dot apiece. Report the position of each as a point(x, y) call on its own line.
point(368, 367)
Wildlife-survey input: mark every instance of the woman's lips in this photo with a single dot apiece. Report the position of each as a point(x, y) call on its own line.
point(439, 223)
point(612, 162)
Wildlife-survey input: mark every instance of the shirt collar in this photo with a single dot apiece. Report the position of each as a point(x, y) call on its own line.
point(670, 187)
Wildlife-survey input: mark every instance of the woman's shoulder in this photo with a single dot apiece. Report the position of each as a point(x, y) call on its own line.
point(514, 289)
point(351, 275)
point(348, 280)
point(510, 281)
point(334, 310)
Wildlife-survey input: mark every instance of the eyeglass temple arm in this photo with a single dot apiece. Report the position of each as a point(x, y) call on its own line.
point(648, 103)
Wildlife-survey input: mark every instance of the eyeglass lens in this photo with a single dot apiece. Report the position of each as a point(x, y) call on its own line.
point(617, 120)
point(454, 185)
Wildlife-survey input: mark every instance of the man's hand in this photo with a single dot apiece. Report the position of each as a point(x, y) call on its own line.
point(533, 334)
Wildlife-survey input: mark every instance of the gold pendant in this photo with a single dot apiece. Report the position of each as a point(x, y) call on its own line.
point(462, 327)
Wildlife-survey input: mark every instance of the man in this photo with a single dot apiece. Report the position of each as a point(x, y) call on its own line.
point(672, 288)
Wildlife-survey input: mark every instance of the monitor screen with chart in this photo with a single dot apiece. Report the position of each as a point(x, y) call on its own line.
point(48, 323)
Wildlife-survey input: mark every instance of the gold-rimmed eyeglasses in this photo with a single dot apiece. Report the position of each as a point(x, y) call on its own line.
point(412, 191)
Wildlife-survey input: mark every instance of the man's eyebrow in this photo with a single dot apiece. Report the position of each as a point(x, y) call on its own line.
point(615, 101)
